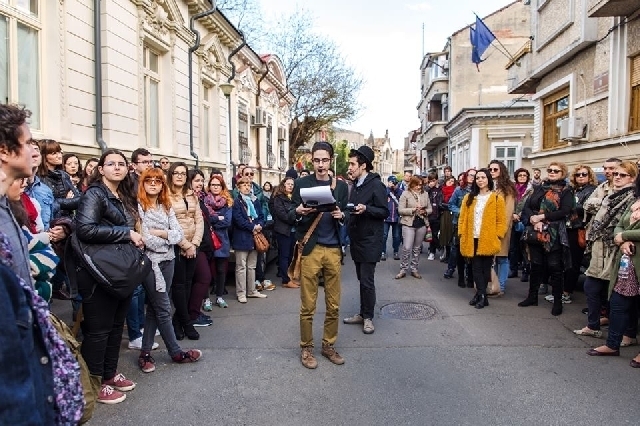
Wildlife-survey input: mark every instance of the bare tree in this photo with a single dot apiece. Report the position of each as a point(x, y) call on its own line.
point(246, 15)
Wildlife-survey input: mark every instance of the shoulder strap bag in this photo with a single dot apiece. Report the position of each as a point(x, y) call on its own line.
point(295, 268)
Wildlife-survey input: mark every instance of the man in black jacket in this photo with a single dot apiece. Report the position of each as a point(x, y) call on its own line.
point(321, 254)
point(366, 228)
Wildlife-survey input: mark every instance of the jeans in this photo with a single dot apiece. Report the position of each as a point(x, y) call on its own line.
point(199, 285)
point(502, 270)
point(481, 266)
point(135, 316)
point(261, 266)
point(344, 236)
point(516, 251)
point(593, 292)
point(325, 260)
point(396, 236)
point(623, 318)
point(571, 274)
point(181, 290)
point(411, 244)
point(245, 272)
point(102, 326)
point(218, 267)
point(365, 271)
point(286, 244)
point(159, 311)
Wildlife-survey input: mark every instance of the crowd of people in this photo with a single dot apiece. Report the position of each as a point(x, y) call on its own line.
point(565, 230)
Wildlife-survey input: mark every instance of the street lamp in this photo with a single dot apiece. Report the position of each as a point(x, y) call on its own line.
point(227, 88)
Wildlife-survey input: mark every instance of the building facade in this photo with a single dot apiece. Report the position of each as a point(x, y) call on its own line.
point(582, 67)
point(143, 77)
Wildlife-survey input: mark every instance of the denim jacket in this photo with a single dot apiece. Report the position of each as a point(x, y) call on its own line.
point(456, 201)
point(43, 194)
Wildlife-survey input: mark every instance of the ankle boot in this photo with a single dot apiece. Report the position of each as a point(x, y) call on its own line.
point(532, 298)
point(525, 274)
point(482, 301)
point(475, 299)
point(461, 282)
point(557, 307)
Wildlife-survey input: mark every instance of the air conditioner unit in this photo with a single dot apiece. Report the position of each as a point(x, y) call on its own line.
point(260, 118)
point(282, 134)
point(445, 99)
point(572, 128)
point(526, 151)
point(445, 64)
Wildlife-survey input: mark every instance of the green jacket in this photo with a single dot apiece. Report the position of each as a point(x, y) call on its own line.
point(303, 223)
point(629, 233)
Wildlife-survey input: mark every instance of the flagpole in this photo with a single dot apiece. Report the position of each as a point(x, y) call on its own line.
point(508, 54)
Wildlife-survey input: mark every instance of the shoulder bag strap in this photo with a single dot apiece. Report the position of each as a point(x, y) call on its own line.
point(311, 229)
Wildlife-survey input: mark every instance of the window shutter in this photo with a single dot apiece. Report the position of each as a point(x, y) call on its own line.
point(635, 70)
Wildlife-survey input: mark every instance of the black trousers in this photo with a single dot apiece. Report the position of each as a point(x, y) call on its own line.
point(365, 272)
point(181, 289)
point(102, 326)
point(435, 229)
point(571, 274)
point(481, 266)
point(546, 264)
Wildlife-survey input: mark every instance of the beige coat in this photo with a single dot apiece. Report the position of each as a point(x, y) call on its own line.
point(509, 207)
point(407, 204)
point(190, 220)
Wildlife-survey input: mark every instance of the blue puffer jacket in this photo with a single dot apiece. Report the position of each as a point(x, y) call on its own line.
point(392, 205)
point(221, 228)
point(242, 236)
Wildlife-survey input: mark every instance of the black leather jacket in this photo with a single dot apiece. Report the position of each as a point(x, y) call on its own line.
point(280, 207)
point(60, 183)
point(101, 218)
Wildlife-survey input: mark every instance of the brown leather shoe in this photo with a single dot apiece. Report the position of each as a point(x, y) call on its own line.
point(329, 352)
point(415, 274)
point(291, 284)
point(401, 274)
point(307, 358)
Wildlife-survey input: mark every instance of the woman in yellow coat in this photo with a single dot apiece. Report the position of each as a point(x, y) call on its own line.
point(481, 227)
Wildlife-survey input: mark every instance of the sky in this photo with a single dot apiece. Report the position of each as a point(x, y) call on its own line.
point(383, 41)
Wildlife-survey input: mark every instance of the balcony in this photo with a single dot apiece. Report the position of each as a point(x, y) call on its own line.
point(434, 134)
point(606, 8)
point(436, 89)
point(519, 79)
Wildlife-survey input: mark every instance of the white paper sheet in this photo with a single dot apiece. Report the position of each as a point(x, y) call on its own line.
point(317, 196)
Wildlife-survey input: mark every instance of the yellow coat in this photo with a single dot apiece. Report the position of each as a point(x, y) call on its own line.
point(494, 226)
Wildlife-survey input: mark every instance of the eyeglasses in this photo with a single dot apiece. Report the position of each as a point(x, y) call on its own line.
point(180, 174)
point(494, 169)
point(621, 175)
point(321, 160)
point(115, 163)
point(583, 174)
point(554, 171)
point(215, 185)
point(248, 174)
point(154, 181)
point(145, 162)
point(523, 175)
point(164, 162)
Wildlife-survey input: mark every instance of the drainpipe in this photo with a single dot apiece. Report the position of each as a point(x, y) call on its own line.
point(97, 68)
point(233, 53)
point(192, 49)
point(264, 74)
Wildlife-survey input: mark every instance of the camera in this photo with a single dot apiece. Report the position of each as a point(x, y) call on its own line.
point(350, 207)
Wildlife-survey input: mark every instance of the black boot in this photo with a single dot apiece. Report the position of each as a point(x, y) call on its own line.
point(525, 274)
point(469, 275)
point(532, 298)
point(448, 273)
point(461, 281)
point(475, 299)
point(482, 301)
point(557, 300)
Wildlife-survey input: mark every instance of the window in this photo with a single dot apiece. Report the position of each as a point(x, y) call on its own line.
point(20, 56)
point(508, 155)
point(634, 117)
point(555, 108)
point(150, 63)
point(205, 122)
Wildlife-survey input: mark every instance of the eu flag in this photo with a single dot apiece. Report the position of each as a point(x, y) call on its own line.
point(481, 39)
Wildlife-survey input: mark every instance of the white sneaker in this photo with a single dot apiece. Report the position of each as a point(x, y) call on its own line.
point(257, 295)
point(242, 298)
point(549, 298)
point(157, 331)
point(268, 285)
point(431, 256)
point(137, 344)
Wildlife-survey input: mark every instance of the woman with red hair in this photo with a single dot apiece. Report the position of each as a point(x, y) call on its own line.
point(160, 232)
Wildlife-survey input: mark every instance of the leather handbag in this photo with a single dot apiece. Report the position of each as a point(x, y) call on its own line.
point(533, 237)
point(118, 268)
point(217, 243)
point(260, 241)
point(295, 267)
point(582, 238)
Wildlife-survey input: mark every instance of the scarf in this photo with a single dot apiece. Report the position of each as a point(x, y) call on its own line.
point(69, 398)
point(214, 203)
point(521, 188)
point(605, 221)
point(447, 192)
point(550, 202)
point(251, 209)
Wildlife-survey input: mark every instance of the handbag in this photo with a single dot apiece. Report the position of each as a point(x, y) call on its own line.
point(518, 227)
point(295, 267)
point(260, 241)
point(582, 238)
point(217, 243)
point(428, 237)
point(493, 287)
point(533, 237)
point(118, 268)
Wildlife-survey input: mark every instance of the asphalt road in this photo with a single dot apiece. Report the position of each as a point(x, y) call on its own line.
point(502, 365)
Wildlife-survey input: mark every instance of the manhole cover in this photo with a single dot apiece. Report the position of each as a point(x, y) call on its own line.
point(408, 311)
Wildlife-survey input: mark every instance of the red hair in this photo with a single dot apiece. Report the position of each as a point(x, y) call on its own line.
point(225, 192)
point(163, 196)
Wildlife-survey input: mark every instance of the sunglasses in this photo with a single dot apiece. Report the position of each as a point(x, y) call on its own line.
point(154, 181)
point(164, 162)
point(621, 175)
point(494, 169)
point(554, 171)
point(248, 174)
point(583, 174)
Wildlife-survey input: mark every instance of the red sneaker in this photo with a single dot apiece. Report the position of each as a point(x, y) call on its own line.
point(146, 363)
point(109, 395)
point(119, 382)
point(192, 355)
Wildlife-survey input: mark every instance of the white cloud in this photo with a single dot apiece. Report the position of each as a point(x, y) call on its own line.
point(419, 7)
